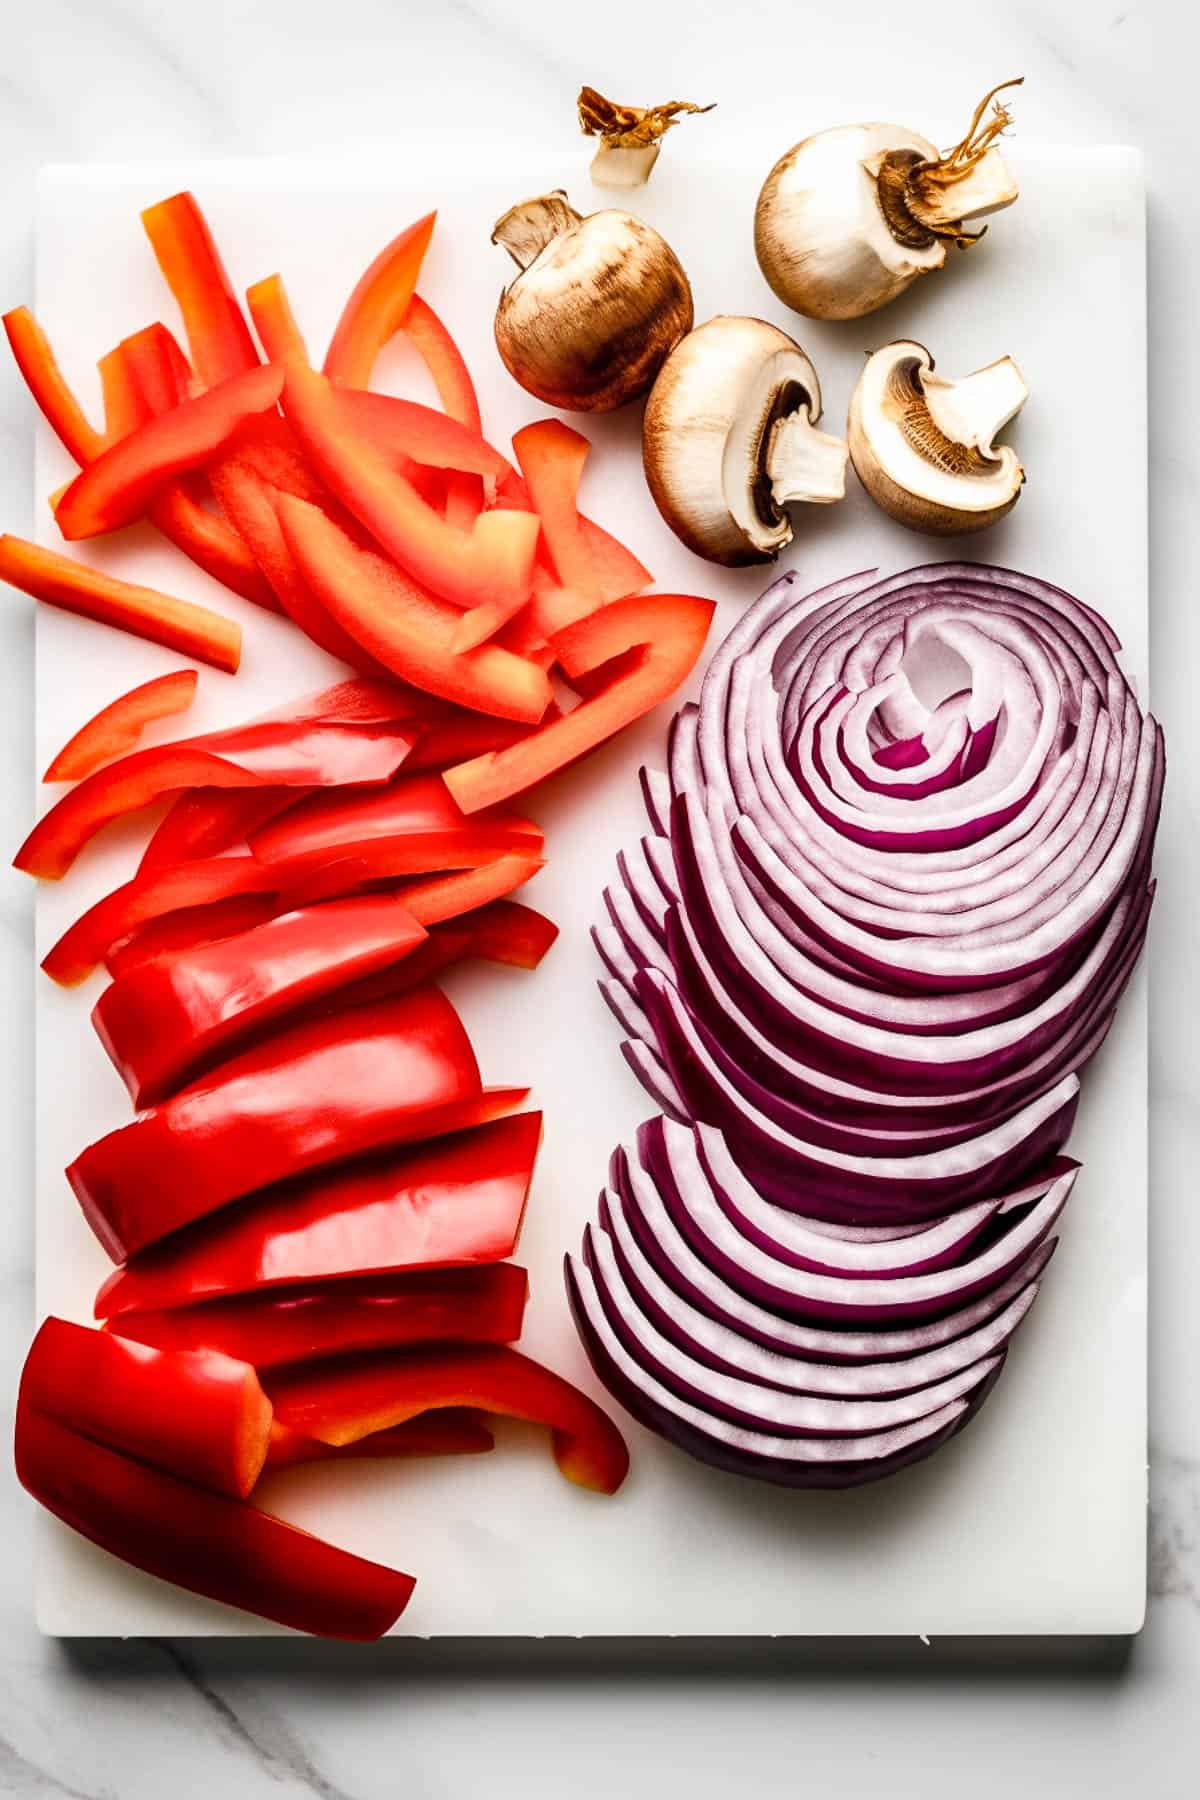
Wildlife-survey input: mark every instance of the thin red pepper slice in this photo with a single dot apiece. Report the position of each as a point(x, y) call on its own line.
point(617, 572)
point(456, 1432)
point(115, 488)
point(442, 897)
point(362, 701)
point(316, 1093)
point(346, 1398)
point(207, 1543)
point(416, 806)
point(194, 1412)
point(378, 306)
point(444, 360)
point(194, 631)
point(658, 638)
point(494, 558)
point(301, 754)
point(408, 630)
point(165, 1023)
point(207, 821)
point(48, 386)
point(456, 1202)
point(275, 322)
point(405, 428)
point(552, 458)
point(444, 742)
point(188, 926)
point(218, 337)
point(118, 726)
point(484, 1305)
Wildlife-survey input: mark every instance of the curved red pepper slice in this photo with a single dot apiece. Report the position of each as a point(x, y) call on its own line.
point(347, 1398)
point(207, 821)
point(314, 1094)
point(442, 897)
point(187, 927)
point(450, 1203)
point(167, 1021)
point(484, 1305)
point(444, 360)
point(378, 306)
point(397, 427)
point(195, 1412)
point(456, 1432)
point(207, 1543)
point(48, 386)
point(275, 322)
point(444, 742)
point(217, 334)
point(659, 638)
point(412, 806)
point(118, 726)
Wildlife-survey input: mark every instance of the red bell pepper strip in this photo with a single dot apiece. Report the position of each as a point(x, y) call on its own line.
point(302, 754)
point(196, 1413)
point(275, 322)
point(481, 623)
point(444, 742)
point(362, 701)
point(211, 543)
point(616, 571)
point(217, 334)
point(345, 1398)
point(665, 633)
point(404, 428)
point(378, 306)
point(313, 1094)
point(48, 386)
point(165, 1023)
point(211, 1545)
point(415, 806)
point(194, 631)
point(456, 1432)
point(483, 1305)
point(495, 557)
point(552, 458)
point(409, 631)
point(207, 821)
point(443, 897)
point(115, 488)
point(124, 407)
point(187, 927)
point(118, 726)
point(444, 360)
point(451, 1203)
point(157, 376)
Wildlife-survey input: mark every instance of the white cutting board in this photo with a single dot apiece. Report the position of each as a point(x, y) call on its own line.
point(1034, 1520)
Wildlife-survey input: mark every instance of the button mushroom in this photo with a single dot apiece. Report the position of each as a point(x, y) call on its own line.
point(730, 440)
point(924, 447)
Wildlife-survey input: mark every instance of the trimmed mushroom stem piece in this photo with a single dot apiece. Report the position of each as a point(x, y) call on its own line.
point(730, 440)
point(924, 447)
point(630, 136)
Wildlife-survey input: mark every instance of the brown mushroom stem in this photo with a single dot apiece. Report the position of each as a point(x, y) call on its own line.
point(974, 409)
point(803, 463)
point(528, 227)
point(924, 199)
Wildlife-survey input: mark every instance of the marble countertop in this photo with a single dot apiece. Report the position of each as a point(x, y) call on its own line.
point(135, 79)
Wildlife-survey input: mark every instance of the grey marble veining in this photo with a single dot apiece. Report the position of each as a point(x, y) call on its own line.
point(111, 79)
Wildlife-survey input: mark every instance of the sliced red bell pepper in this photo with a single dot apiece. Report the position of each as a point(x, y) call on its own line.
point(211, 543)
point(456, 1432)
point(118, 726)
point(444, 360)
point(275, 322)
point(411, 807)
point(552, 458)
point(444, 742)
point(494, 558)
point(362, 701)
point(659, 638)
point(218, 337)
point(124, 407)
point(378, 306)
point(207, 821)
point(60, 581)
point(405, 428)
point(207, 1543)
point(188, 926)
point(157, 376)
point(450, 1203)
point(484, 1305)
point(441, 897)
point(194, 1412)
point(165, 1023)
point(117, 486)
point(348, 1397)
point(616, 571)
point(48, 386)
point(409, 631)
point(313, 1094)
point(300, 754)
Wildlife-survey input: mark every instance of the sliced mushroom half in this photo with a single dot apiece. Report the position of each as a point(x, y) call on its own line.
point(924, 447)
point(730, 440)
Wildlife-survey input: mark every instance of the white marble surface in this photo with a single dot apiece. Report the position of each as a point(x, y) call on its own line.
point(107, 79)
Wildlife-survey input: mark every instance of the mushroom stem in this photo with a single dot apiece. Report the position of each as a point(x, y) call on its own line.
point(528, 227)
point(803, 463)
point(972, 411)
point(623, 165)
point(938, 203)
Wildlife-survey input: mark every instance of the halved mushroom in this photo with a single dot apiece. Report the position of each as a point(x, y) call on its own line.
point(924, 447)
point(730, 440)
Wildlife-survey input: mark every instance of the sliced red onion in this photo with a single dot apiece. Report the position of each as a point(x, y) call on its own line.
point(656, 1079)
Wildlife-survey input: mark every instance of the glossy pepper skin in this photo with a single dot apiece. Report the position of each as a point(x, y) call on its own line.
point(333, 1318)
point(48, 386)
point(450, 1203)
point(321, 1092)
point(194, 1412)
point(377, 306)
point(348, 1397)
point(278, 332)
point(117, 727)
point(207, 1543)
point(414, 809)
point(175, 1016)
point(218, 337)
point(455, 1432)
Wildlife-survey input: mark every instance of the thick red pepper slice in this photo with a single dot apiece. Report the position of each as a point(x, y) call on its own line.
point(118, 726)
point(456, 1432)
point(218, 337)
point(207, 821)
point(552, 459)
point(48, 386)
point(117, 486)
point(404, 428)
point(456, 391)
point(616, 571)
point(362, 701)
point(207, 1543)
point(378, 306)
point(346, 1398)
point(275, 322)
point(415, 806)
point(399, 624)
point(484, 1305)
point(195, 1412)
point(444, 742)
point(658, 637)
point(194, 631)
point(314, 1094)
point(495, 558)
point(449, 1203)
point(188, 926)
point(165, 1023)
point(302, 754)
